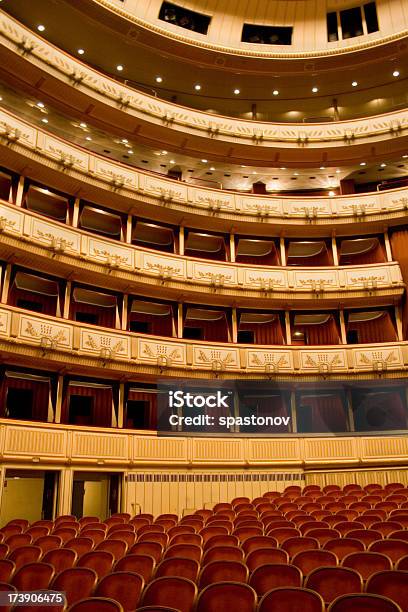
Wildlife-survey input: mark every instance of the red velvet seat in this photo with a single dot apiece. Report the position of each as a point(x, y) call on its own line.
point(153, 549)
point(270, 576)
point(331, 582)
point(33, 576)
point(140, 564)
point(256, 542)
point(344, 546)
point(123, 587)
point(189, 551)
point(291, 599)
point(223, 553)
point(226, 596)
point(363, 603)
point(223, 571)
point(96, 604)
point(392, 584)
point(261, 556)
point(25, 554)
point(394, 549)
point(177, 566)
point(118, 548)
point(309, 560)
point(76, 582)
point(101, 561)
point(180, 592)
point(60, 558)
point(367, 563)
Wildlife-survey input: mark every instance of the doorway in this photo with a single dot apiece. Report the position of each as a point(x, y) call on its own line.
point(95, 494)
point(30, 494)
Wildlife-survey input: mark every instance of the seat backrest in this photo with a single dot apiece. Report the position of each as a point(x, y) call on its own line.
point(141, 564)
point(272, 575)
point(395, 549)
point(287, 599)
point(208, 532)
point(181, 592)
point(324, 534)
point(224, 553)
point(161, 538)
point(81, 545)
point(25, 554)
point(402, 563)
point(101, 561)
point(178, 566)
point(96, 535)
point(260, 556)
point(117, 548)
point(153, 549)
point(297, 544)
point(187, 538)
point(33, 576)
point(308, 560)
point(124, 587)
point(331, 582)
point(256, 542)
point(17, 540)
point(367, 563)
point(221, 540)
point(101, 604)
point(7, 569)
point(344, 546)
point(363, 603)
point(61, 558)
point(392, 584)
point(189, 551)
point(48, 542)
point(223, 571)
point(77, 582)
point(281, 534)
point(226, 596)
point(4, 550)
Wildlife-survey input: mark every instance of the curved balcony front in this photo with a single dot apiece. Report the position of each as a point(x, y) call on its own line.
point(73, 84)
point(71, 169)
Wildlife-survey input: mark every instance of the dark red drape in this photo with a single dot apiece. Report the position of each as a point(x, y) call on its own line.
point(376, 255)
point(324, 333)
point(159, 325)
point(272, 259)
point(48, 302)
point(102, 403)
point(40, 392)
point(265, 333)
point(106, 316)
point(151, 398)
point(377, 330)
point(213, 331)
point(274, 406)
point(327, 413)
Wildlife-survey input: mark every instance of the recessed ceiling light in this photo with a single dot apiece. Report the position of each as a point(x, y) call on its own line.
point(40, 104)
point(283, 168)
point(396, 73)
point(119, 67)
point(204, 161)
point(296, 173)
point(41, 28)
point(237, 92)
point(404, 156)
point(125, 140)
point(243, 165)
point(44, 120)
point(338, 171)
point(88, 138)
point(130, 151)
point(354, 83)
point(322, 167)
point(254, 172)
point(197, 87)
point(159, 79)
point(315, 89)
point(275, 92)
point(172, 161)
point(383, 165)
point(363, 163)
point(331, 193)
point(81, 51)
point(212, 168)
point(1, 99)
point(82, 125)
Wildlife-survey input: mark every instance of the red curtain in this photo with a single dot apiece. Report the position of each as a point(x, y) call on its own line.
point(324, 333)
point(48, 302)
point(106, 316)
point(378, 330)
point(274, 406)
point(265, 333)
point(325, 258)
point(102, 403)
point(151, 398)
point(273, 259)
point(159, 325)
point(40, 392)
point(327, 413)
point(389, 404)
point(213, 331)
point(399, 247)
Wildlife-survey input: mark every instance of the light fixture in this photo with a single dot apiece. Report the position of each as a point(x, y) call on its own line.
point(212, 168)
point(164, 152)
point(383, 165)
point(159, 79)
point(396, 73)
point(404, 156)
point(172, 161)
point(338, 171)
point(331, 193)
point(315, 89)
point(275, 92)
point(41, 28)
point(296, 174)
point(283, 168)
point(197, 87)
point(119, 67)
point(82, 125)
point(125, 140)
point(363, 163)
point(354, 83)
point(44, 120)
point(243, 166)
point(322, 167)
point(40, 104)
point(81, 51)
point(88, 138)
point(254, 172)
point(237, 92)
point(130, 151)
point(204, 161)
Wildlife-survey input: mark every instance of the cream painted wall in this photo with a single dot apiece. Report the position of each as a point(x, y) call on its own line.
point(22, 498)
point(96, 498)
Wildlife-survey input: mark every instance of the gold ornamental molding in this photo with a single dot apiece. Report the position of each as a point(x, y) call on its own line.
point(245, 51)
point(51, 444)
point(34, 51)
point(65, 250)
point(57, 343)
point(120, 183)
